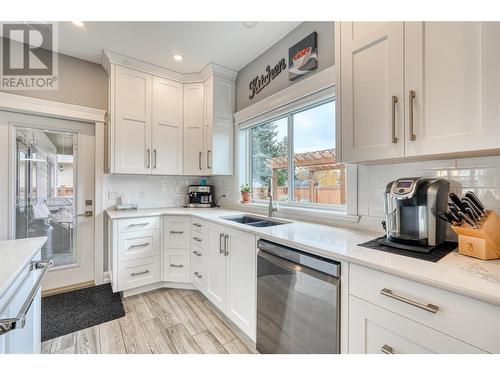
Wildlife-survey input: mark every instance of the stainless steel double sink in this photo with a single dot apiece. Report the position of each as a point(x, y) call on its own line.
point(255, 221)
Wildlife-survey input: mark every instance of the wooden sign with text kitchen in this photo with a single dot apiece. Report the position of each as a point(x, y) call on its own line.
point(258, 83)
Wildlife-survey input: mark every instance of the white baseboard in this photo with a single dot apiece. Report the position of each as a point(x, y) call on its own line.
point(158, 285)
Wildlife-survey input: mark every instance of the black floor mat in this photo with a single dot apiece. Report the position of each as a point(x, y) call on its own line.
point(69, 312)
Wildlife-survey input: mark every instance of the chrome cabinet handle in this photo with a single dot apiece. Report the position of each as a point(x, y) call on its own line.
point(222, 250)
point(154, 151)
point(148, 158)
point(387, 349)
point(176, 232)
point(18, 322)
point(410, 114)
point(196, 253)
point(137, 224)
point(88, 213)
point(394, 101)
point(197, 225)
point(177, 265)
point(208, 159)
point(197, 239)
point(139, 273)
point(197, 275)
point(139, 245)
point(429, 307)
point(199, 161)
point(226, 247)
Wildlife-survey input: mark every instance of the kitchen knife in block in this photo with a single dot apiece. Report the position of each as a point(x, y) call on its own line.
point(482, 242)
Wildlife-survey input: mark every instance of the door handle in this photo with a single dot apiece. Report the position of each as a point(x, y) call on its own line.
point(199, 161)
point(410, 114)
point(139, 245)
point(177, 265)
point(427, 307)
point(148, 158)
point(394, 101)
point(226, 247)
point(176, 231)
point(208, 159)
point(222, 250)
point(87, 214)
point(155, 159)
point(386, 349)
point(139, 273)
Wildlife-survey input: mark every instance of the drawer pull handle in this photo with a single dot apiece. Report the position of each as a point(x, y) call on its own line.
point(177, 265)
point(197, 225)
point(176, 231)
point(139, 245)
point(387, 349)
point(137, 224)
point(139, 273)
point(429, 307)
point(196, 253)
point(197, 239)
point(197, 275)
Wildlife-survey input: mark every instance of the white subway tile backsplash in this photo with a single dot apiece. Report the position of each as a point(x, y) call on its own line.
point(480, 175)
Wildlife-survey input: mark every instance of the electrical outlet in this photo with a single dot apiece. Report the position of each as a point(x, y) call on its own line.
point(142, 194)
point(112, 195)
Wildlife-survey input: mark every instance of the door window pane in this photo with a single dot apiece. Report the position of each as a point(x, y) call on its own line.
point(269, 159)
point(318, 178)
point(45, 204)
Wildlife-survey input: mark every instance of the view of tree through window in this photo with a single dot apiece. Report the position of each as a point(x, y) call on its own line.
point(317, 177)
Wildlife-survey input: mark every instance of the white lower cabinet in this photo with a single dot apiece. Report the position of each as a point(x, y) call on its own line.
point(177, 265)
point(138, 272)
point(231, 273)
point(373, 330)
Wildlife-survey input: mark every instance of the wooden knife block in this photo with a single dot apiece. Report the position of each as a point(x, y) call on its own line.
point(483, 242)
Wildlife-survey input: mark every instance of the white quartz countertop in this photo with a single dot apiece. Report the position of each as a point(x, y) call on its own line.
point(15, 255)
point(457, 273)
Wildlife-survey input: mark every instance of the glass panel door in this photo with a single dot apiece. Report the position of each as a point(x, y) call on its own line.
point(45, 191)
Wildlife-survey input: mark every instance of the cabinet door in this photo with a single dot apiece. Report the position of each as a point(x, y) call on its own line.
point(176, 234)
point(208, 124)
point(373, 330)
point(177, 265)
point(216, 269)
point(452, 69)
point(241, 280)
point(371, 82)
point(193, 129)
point(220, 145)
point(168, 99)
point(132, 125)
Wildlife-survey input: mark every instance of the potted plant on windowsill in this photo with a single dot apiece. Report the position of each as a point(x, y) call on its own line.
point(246, 193)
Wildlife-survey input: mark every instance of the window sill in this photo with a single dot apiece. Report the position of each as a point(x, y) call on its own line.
point(322, 216)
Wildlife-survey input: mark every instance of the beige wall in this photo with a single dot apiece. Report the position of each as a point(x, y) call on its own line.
point(80, 82)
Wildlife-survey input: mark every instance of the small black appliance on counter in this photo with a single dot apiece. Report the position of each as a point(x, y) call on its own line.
point(200, 196)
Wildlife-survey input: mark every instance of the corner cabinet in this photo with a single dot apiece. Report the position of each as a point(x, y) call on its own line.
point(411, 89)
point(164, 126)
point(208, 127)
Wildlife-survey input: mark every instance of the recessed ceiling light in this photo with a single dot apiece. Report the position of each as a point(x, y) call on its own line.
point(177, 57)
point(250, 24)
point(78, 23)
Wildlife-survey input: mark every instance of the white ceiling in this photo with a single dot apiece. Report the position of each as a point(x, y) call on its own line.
point(229, 44)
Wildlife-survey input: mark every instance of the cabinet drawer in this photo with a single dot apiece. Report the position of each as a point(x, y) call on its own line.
point(139, 223)
point(176, 266)
point(140, 244)
point(464, 318)
point(138, 272)
point(198, 273)
point(373, 330)
point(176, 233)
point(199, 226)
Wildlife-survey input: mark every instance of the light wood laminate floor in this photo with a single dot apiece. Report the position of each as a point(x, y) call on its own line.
point(163, 321)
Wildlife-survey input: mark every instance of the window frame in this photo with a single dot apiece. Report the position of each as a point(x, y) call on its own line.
point(245, 165)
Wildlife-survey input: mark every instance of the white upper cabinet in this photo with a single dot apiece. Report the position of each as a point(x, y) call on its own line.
point(452, 87)
point(193, 129)
point(158, 124)
point(372, 88)
point(444, 76)
point(132, 121)
point(168, 127)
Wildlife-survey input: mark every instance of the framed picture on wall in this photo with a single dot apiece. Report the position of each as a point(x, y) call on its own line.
point(303, 56)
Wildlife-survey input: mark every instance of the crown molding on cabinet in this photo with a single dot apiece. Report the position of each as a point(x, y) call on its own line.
point(109, 58)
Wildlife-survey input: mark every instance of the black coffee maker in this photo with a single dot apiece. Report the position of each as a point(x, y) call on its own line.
point(200, 196)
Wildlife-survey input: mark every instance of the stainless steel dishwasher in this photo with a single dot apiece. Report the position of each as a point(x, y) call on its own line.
point(298, 301)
